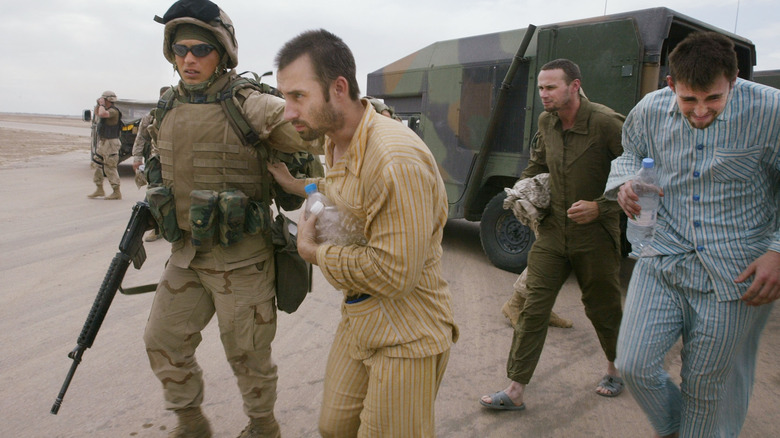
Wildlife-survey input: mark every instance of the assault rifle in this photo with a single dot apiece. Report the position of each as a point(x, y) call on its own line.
point(131, 248)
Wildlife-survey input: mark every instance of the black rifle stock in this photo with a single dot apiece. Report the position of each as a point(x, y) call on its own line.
point(131, 248)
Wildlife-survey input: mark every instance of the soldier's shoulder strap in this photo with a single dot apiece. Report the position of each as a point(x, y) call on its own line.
point(242, 126)
point(164, 104)
point(236, 117)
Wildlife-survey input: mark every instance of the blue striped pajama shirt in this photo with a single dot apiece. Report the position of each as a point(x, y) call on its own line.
point(719, 213)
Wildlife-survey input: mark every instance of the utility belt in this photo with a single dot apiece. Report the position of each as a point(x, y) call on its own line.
point(222, 217)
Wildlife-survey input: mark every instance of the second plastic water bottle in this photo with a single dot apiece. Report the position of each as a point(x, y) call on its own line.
point(641, 229)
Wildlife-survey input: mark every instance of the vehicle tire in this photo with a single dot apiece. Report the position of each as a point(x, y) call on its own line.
point(505, 240)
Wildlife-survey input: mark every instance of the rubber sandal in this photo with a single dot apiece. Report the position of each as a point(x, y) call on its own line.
point(613, 384)
point(501, 402)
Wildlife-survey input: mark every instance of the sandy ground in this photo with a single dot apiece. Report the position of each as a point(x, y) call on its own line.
point(56, 245)
point(18, 145)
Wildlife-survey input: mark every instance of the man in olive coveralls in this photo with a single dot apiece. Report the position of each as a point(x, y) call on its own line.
point(577, 141)
point(209, 178)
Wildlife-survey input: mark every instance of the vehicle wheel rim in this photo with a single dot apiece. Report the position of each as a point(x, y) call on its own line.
point(512, 236)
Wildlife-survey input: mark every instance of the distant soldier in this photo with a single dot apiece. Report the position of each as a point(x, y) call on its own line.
point(106, 157)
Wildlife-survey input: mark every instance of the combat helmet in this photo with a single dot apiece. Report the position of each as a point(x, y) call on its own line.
point(205, 14)
point(109, 96)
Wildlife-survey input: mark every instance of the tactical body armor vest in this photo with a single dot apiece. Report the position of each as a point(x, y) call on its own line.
point(210, 173)
point(106, 131)
point(199, 150)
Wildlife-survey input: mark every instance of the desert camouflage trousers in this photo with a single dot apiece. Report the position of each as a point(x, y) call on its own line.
point(185, 301)
point(109, 150)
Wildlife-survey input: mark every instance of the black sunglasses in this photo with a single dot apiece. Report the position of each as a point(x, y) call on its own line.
point(199, 50)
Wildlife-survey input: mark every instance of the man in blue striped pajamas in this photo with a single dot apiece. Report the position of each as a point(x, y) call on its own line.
point(713, 268)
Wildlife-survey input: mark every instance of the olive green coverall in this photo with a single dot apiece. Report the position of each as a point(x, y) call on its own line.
point(578, 161)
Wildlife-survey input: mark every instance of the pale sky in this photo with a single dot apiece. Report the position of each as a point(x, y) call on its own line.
point(60, 55)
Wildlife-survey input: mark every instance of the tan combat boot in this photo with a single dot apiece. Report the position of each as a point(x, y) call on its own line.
point(514, 305)
point(115, 195)
point(261, 428)
point(99, 192)
point(192, 424)
point(152, 236)
point(557, 321)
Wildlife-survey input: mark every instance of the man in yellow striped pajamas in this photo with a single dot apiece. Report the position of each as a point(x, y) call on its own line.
point(393, 342)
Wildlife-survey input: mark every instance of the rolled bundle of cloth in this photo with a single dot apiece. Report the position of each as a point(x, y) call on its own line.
point(529, 199)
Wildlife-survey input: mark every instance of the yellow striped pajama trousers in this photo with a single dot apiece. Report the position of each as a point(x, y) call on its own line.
point(380, 396)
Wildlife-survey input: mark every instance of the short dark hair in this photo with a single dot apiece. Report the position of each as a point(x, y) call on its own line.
point(329, 55)
point(571, 70)
point(701, 58)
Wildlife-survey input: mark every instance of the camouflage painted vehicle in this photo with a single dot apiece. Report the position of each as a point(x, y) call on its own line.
point(132, 111)
point(768, 77)
point(474, 102)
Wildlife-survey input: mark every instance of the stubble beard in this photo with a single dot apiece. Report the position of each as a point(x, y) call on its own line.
point(326, 118)
point(700, 125)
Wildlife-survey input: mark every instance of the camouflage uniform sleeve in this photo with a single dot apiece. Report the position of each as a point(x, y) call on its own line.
point(142, 137)
point(378, 105)
point(266, 113)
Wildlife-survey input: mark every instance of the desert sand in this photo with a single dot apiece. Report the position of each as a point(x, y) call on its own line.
point(57, 244)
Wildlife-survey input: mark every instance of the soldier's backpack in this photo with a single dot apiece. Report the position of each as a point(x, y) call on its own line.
point(293, 274)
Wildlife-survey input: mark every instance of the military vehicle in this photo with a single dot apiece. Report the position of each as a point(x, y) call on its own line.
point(132, 111)
point(768, 77)
point(474, 102)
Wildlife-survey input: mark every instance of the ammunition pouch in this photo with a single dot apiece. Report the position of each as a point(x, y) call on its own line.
point(163, 210)
point(233, 211)
point(203, 216)
point(258, 218)
point(153, 171)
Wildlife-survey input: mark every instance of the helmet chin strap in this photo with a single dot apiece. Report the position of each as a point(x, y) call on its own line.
point(203, 86)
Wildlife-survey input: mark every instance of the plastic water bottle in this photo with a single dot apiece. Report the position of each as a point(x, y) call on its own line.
point(315, 201)
point(641, 229)
point(319, 205)
point(332, 226)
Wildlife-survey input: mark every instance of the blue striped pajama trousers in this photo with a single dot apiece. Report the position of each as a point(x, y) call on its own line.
point(669, 297)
